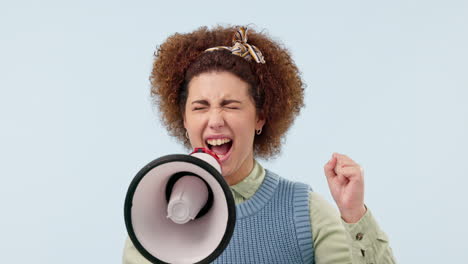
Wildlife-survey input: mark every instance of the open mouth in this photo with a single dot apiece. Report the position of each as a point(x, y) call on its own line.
point(221, 147)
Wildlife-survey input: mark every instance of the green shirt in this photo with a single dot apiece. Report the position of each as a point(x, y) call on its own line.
point(335, 241)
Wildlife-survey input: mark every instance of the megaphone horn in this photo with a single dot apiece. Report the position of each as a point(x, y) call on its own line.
point(179, 209)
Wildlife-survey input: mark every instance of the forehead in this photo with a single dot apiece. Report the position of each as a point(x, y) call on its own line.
point(218, 85)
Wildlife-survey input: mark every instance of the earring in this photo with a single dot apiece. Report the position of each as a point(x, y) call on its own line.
point(258, 132)
point(186, 134)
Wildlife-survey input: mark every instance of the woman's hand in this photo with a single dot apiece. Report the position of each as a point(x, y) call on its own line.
point(346, 182)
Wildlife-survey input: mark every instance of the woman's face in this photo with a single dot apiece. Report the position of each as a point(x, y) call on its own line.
point(220, 115)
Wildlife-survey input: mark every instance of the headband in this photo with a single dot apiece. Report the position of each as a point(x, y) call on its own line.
point(241, 48)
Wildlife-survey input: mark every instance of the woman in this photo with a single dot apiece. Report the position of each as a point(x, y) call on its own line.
point(237, 93)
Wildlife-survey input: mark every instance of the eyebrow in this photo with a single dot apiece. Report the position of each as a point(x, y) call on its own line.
point(224, 102)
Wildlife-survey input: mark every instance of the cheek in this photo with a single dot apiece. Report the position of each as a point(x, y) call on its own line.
point(244, 129)
point(194, 131)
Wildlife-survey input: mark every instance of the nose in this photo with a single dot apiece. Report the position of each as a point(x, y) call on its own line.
point(216, 120)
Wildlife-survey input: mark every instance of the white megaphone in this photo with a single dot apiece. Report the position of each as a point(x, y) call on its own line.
point(179, 209)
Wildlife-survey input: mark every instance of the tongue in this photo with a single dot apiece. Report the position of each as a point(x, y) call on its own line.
point(221, 149)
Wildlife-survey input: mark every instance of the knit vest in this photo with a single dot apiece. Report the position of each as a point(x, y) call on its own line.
point(273, 226)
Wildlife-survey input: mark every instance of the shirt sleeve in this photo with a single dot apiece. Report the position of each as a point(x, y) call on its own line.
point(131, 254)
point(338, 242)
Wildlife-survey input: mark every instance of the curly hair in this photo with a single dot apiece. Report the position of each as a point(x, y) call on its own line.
point(276, 87)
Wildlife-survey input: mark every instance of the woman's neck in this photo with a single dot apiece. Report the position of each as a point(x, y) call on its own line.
point(242, 172)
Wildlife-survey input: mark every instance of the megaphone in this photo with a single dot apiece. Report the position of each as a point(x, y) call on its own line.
point(179, 209)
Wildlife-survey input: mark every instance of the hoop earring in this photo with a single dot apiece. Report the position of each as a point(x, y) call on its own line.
point(186, 134)
point(258, 132)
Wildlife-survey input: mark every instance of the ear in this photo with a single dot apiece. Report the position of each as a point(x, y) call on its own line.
point(260, 121)
point(185, 124)
point(182, 114)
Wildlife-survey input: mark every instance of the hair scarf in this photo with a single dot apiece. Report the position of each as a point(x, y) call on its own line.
point(241, 48)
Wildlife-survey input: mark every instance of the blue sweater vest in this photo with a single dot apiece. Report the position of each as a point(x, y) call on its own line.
point(273, 226)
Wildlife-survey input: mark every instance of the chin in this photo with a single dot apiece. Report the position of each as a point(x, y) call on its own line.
point(225, 172)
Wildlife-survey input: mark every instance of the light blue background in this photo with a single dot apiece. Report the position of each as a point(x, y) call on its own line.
point(387, 85)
